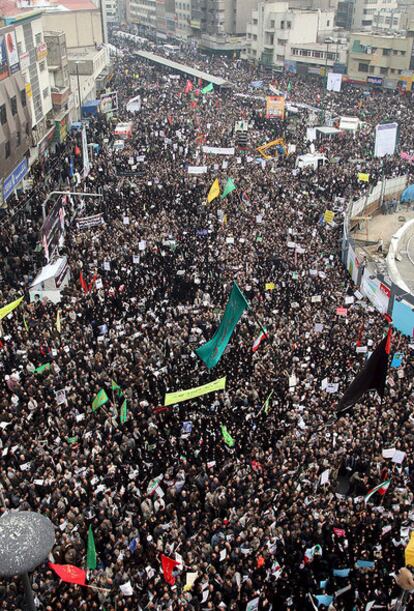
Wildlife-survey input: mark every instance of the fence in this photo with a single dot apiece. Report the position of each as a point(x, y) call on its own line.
point(371, 277)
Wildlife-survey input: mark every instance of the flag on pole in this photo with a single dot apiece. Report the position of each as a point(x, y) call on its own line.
point(26, 326)
point(228, 188)
point(42, 368)
point(210, 352)
point(289, 87)
point(117, 388)
point(5, 310)
point(123, 415)
point(267, 406)
point(58, 325)
point(91, 553)
point(168, 564)
point(363, 177)
point(100, 399)
point(83, 283)
point(69, 573)
point(208, 88)
point(371, 377)
point(228, 439)
point(263, 335)
point(214, 191)
point(381, 489)
point(92, 282)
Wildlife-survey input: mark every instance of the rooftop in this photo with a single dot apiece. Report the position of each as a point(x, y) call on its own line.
point(20, 8)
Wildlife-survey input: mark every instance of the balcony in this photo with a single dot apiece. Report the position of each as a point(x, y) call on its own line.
point(60, 96)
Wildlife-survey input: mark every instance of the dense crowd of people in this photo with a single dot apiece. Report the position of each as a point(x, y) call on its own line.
point(252, 521)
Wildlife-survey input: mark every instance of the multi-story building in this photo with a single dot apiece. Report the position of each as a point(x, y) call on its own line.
point(344, 14)
point(58, 76)
point(86, 66)
point(15, 117)
point(379, 59)
point(299, 40)
point(366, 13)
point(144, 14)
point(31, 51)
point(183, 19)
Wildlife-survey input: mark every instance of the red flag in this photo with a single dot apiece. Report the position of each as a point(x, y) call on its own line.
point(170, 119)
point(188, 87)
point(168, 565)
point(69, 573)
point(92, 282)
point(256, 466)
point(388, 342)
point(83, 283)
point(193, 104)
point(360, 332)
point(339, 532)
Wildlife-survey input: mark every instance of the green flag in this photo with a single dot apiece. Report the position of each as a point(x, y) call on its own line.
point(123, 415)
point(42, 368)
point(71, 440)
point(91, 553)
point(100, 399)
point(229, 187)
point(266, 405)
point(210, 352)
point(208, 88)
point(289, 87)
point(26, 326)
point(228, 439)
point(117, 388)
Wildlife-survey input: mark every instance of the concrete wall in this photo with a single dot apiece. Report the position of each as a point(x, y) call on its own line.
point(82, 28)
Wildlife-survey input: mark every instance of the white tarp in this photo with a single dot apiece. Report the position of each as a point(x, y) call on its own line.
point(385, 139)
point(134, 104)
point(334, 82)
point(216, 150)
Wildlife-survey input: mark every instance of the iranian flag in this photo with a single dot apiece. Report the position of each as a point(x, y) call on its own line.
point(381, 489)
point(263, 335)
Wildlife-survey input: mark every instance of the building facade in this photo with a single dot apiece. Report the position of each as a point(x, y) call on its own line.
point(367, 13)
point(379, 59)
point(294, 39)
point(15, 117)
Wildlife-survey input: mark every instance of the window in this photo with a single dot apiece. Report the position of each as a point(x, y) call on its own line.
point(19, 48)
point(289, 24)
point(272, 24)
point(38, 38)
point(395, 52)
point(282, 25)
point(13, 103)
point(7, 148)
point(45, 93)
point(371, 69)
point(23, 97)
point(42, 66)
point(383, 70)
point(3, 114)
point(362, 67)
point(386, 51)
point(19, 138)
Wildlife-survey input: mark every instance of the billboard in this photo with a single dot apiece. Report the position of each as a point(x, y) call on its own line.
point(15, 178)
point(334, 82)
point(53, 228)
point(108, 102)
point(385, 139)
point(4, 69)
point(275, 107)
point(12, 53)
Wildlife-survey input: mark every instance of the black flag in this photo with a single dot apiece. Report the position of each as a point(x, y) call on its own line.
point(371, 377)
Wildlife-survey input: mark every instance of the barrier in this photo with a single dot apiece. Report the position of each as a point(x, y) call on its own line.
point(372, 279)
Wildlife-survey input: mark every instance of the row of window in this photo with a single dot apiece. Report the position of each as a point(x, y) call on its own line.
point(13, 104)
point(383, 70)
point(315, 53)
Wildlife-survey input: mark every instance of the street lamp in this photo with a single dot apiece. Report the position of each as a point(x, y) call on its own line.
point(327, 41)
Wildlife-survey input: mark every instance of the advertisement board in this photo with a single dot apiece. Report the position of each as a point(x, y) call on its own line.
point(14, 178)
point(377, 292)
point(275, 107)
point(53, 228)
point(334, 82)
point(4, 68)
point(12, 53)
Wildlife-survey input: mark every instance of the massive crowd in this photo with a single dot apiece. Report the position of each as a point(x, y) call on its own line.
point(245, 518)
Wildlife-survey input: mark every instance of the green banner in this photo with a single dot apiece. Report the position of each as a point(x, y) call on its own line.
point(184, 395)
point(211, 352)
